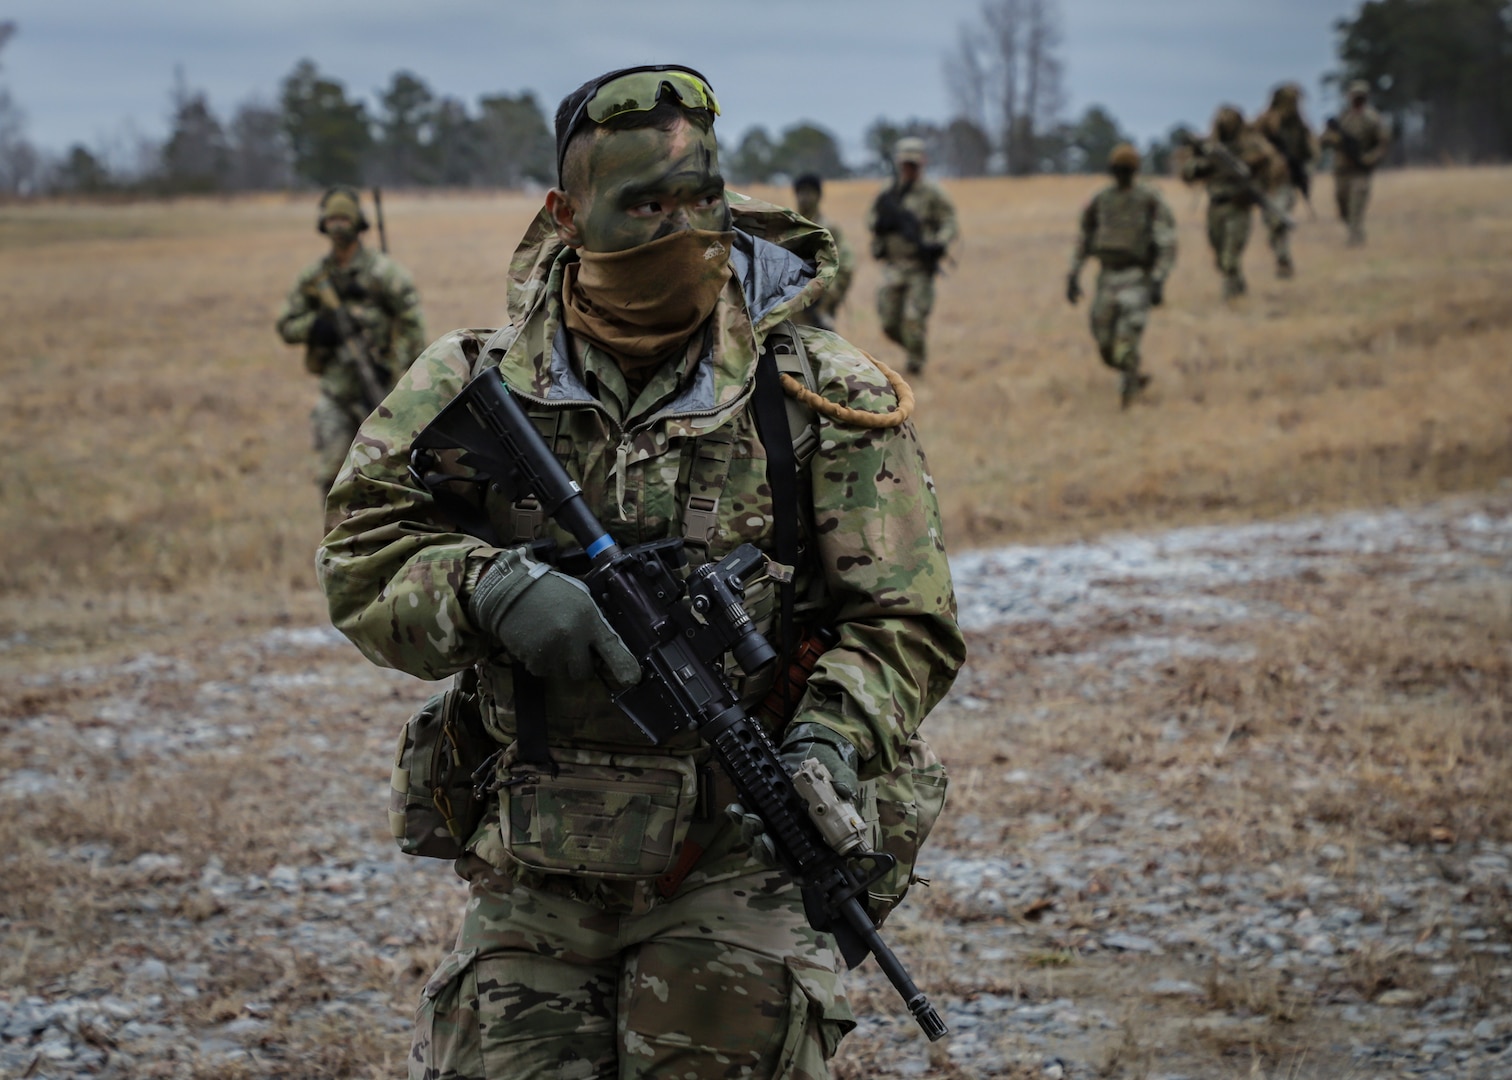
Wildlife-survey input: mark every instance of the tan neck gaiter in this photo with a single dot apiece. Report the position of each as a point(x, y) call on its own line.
point(641, 303)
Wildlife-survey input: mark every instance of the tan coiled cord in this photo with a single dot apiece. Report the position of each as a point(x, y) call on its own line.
point(854, 417)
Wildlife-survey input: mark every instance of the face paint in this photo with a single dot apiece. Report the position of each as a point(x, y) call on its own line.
point(808, 203)
point(644, 184)
point(341, 230)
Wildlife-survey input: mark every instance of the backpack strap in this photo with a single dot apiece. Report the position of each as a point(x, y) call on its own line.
point(708, 472)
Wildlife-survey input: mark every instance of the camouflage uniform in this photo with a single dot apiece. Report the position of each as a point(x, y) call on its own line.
point(1132, 233)
point(823, 313)
point(1366, 129)
point(906, 295)
point(589, 974)
point(381, 298)
point(1229, 204)
point(1282, 124)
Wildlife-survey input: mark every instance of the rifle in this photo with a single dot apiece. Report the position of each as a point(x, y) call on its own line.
point(354, 348)
point(891, 216)
point(378, 214)
point(1349, 146)
point(679, 630)
point(1225, 159)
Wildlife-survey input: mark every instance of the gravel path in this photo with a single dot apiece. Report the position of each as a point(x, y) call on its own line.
point(1130, 915)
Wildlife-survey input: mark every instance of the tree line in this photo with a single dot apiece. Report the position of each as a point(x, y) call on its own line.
point(1440, 69)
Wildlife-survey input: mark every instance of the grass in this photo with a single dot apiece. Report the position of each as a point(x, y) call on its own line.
point(157, 500)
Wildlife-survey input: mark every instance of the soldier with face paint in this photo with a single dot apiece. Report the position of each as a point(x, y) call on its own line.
point(621, 922)
point(356, 291)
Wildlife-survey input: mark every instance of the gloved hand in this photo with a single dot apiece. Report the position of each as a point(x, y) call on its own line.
point(353, 291)
point(754, 835)
point(548, 622)
point(324, 331)
point(1073, 289)
point(1157, 293)
point(829, 748)
point(932, 252)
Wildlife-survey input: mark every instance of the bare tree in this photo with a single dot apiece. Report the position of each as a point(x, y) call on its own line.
point(19, 164)
point(1005, 75)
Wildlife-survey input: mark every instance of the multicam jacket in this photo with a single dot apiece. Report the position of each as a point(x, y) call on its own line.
point(1264, 162)
point(1127, 227)
point(937, 220)
point(381, 298)
point(396, 570)
point(1367, 130)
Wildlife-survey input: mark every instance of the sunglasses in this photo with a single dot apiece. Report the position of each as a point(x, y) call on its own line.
point(637, 90)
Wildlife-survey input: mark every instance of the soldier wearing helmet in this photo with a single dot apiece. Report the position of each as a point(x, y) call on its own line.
point(1359, 138)
point(912, 224)
point(1229, 197)
point(353, 307)
point(1131, 232)
point(1286, 129)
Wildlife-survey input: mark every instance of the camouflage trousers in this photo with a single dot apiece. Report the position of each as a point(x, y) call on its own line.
point(725, 980)
point(1120, 309)
point(1351, 195)
point(1285, 199)
point(334, 424)
point(1228, 229)
point(338, 413)
point(904, 300)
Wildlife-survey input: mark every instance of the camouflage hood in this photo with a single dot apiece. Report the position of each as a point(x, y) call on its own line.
point(780, 265)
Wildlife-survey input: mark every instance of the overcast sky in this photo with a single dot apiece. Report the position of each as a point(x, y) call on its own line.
point(85, 70)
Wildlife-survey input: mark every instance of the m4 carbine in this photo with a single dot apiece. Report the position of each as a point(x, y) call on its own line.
point(1225, 159)
point(354, 348)
point(679, 631)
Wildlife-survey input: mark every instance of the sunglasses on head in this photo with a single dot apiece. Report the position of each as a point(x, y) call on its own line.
point(637, 90)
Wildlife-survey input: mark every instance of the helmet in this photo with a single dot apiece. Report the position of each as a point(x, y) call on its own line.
point(1286, 95)
point(1359, 88)
point(1227, 121)
point(810, 180)
point(341, 201)
point(910, 148)
point(1124, 156)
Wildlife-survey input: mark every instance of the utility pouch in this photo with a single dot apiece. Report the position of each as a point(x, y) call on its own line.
point(433, 808)
point(617, 816)
point(901, 810)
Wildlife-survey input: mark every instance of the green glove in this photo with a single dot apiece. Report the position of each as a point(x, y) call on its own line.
point(1073, 289)
point(830, 749)
point(548, 622)
point(1157, 292)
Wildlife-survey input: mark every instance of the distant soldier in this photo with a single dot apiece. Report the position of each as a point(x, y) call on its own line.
point(1289, 134)
point(358, 316)
point(807, 190)
point(1238, 166)
point(912, 224)
point(1130, 230)
point(1359, 138)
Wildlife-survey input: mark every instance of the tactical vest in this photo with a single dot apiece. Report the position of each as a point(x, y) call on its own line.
point(1122, 237)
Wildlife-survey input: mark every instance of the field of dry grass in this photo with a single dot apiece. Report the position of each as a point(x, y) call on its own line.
point(156, 503)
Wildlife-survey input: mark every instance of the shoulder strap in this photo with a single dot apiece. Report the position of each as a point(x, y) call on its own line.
point(773, 425)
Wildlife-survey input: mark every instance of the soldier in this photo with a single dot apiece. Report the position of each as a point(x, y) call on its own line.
point(1359, 139)
point(1229, 195)
point(912, 224)
point(807, 190)
point(1130, 230)
point(640, 301)
point(357, 314)
point(1288, 132)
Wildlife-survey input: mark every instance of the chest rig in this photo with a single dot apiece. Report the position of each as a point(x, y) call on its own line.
point(1123, 228)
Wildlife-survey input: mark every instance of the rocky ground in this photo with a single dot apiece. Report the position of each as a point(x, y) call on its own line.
point(1158, 859)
